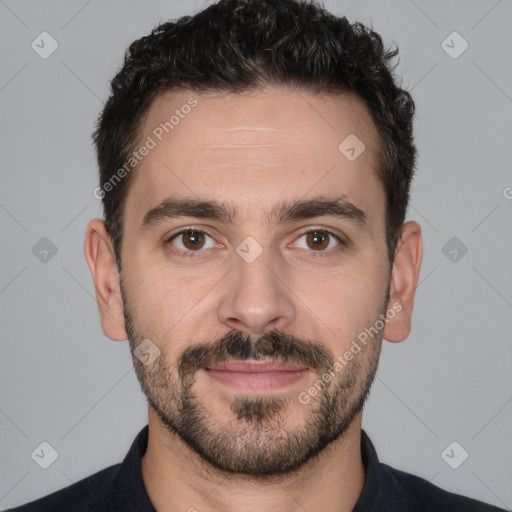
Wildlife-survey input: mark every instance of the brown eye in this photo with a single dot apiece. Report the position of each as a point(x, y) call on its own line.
point(320, 241)
point(317, 240)
point(191, 240)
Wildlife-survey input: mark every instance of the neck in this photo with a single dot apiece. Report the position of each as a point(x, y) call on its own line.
point(178, 479)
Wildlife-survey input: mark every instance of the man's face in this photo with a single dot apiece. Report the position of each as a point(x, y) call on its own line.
point(207, 290)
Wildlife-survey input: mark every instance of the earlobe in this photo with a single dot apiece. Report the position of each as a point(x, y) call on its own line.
point(404, 280)
point(100, 257)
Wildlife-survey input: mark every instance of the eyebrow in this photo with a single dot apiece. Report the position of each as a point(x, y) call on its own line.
point(287, 211)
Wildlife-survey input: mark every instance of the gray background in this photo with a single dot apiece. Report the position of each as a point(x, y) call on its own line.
point(62, 381)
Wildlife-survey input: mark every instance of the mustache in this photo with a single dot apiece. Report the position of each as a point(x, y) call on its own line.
point(275, 345)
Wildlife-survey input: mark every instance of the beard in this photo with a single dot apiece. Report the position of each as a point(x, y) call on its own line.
point(255, 442)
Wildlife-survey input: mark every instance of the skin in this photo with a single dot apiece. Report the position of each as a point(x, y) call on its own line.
point(253, 150)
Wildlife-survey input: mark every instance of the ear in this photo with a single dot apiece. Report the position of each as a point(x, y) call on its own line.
point(100, 257)
point(403, 282)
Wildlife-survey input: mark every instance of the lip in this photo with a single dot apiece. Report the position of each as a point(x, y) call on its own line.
point(256, 366)
point(256, 375)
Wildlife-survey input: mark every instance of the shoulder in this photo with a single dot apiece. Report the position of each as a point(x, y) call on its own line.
point(420, 494)
point(77, 497)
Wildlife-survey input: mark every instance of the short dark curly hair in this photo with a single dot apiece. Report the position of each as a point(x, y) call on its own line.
point(238, 45)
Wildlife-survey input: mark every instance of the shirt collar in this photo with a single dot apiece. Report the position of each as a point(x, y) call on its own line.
point(132, 492)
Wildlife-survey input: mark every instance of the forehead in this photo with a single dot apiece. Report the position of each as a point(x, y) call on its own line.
point(255, 150)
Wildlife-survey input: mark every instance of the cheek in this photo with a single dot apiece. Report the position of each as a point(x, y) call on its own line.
point(350, 300)
point(164, 304)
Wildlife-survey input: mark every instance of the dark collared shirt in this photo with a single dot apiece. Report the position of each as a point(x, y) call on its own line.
point(121, 488)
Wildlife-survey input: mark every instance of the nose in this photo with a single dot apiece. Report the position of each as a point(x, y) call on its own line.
point(258, 295)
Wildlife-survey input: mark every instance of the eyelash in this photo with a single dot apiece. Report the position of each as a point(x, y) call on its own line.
point(314, 254)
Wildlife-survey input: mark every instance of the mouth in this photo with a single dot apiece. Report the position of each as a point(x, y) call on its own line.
point(256, 375)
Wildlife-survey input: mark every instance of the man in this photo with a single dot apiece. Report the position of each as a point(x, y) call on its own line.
point(255, 165)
